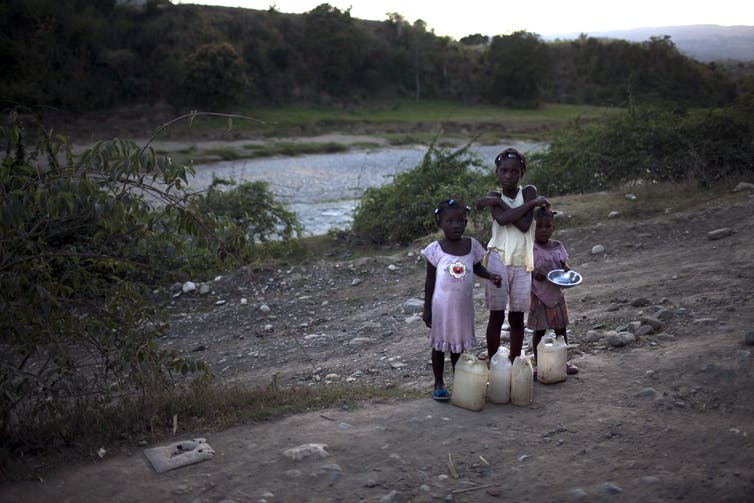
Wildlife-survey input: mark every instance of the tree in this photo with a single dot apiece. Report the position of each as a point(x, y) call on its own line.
point(518, 66)
point(84, 241)
point(215, 76)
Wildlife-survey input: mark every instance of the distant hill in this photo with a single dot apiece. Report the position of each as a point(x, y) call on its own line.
point(703, 42)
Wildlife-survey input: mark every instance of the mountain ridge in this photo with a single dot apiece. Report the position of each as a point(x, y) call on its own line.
point(703, 42)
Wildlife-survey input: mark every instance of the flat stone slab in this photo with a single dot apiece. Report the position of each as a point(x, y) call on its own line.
point(178, 454)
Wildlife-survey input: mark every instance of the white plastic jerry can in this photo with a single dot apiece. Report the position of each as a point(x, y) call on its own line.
point(499, 388)
point(470, 382)
point(522, 381)
point(552, 355)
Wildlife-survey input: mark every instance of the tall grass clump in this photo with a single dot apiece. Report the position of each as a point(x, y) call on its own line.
point(402, 210)
point(647, 145)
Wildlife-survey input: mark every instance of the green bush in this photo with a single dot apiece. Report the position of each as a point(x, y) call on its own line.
point(403, 210)
point(83, 242)
point(655, 144)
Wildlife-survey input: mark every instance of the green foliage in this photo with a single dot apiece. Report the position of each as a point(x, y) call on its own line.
point(250, 216)
point(518, 64)
point(648, 145)
point(83, 241)
point(82, 55)
point(215, 76)
point(403, 210)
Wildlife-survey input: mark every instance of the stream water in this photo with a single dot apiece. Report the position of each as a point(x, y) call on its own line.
point(324, 189)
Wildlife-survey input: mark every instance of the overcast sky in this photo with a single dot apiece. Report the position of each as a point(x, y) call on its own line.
point(458, 18)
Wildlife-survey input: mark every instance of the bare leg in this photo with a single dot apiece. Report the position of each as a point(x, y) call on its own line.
point(454, 359)
point(494, 326)
point(438, 367)
point(516, 321)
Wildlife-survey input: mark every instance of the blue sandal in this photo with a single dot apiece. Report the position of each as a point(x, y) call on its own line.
point(441, 395)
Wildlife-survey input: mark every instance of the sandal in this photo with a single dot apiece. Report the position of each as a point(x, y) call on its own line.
point(571, 368)
point(441, 395)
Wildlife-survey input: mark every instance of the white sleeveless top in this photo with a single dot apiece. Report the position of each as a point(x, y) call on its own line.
point(513, 246)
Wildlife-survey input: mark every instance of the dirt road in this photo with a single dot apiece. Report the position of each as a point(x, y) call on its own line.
point(667, 417)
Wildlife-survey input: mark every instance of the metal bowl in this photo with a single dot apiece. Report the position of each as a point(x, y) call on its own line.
point(563, 278)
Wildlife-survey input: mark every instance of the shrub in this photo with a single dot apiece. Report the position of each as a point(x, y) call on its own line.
point(652, 144)
point(83, 241)
point(402, 210)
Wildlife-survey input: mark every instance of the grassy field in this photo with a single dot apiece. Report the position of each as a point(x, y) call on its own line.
point(402, 123)
point(406, 117)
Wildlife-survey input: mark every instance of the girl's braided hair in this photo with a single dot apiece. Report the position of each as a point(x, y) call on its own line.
point(450, 203)
point(544, 212)
point(511, 153)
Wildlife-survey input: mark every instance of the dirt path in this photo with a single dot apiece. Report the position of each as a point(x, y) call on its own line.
point(668, 417)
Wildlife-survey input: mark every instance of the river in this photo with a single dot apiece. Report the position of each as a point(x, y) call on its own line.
point(324, 189)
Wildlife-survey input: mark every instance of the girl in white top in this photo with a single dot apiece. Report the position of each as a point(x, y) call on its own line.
point(510, 250)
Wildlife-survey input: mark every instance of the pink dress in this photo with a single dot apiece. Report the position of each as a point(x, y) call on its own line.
point(453, 299)
point(546, 259)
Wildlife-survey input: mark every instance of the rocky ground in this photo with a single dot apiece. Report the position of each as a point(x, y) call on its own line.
point(661, 410)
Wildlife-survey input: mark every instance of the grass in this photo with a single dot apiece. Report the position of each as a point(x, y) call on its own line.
point(398, 117)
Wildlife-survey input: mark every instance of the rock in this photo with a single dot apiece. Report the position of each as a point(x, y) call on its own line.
point(646, 393)
point(390, 497)
point(598, 249)
point(204, 289)
point(633, 326)
point(592, 336)
point(613, 214)
point(664, 315)
point(610, 488)
point(644, 330)
point(221, 302)
point(369, 325)
point(264, 308)
point(640, 302)
point(358, 341)
point(619, 339)
point(188, 286)
point(656, 324)
point(720, 233)
point(392, 267)
point(749, 338)
point(743, 186)
point(305, 451)
point(356, 281)
point(631, 197)
point(413, 305)
point(577, 493)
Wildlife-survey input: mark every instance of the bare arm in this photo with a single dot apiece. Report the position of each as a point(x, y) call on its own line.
point(429, 290)
point(521, 217)
point(482, 272)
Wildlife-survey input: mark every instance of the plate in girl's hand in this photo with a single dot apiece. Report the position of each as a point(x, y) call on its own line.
point(563, 278)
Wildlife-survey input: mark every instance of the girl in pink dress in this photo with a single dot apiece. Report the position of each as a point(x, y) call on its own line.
point(448, 291)
point(548, 304)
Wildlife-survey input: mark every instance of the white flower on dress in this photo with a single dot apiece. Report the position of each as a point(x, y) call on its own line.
point(457, 270)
